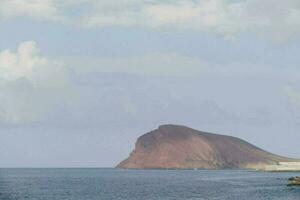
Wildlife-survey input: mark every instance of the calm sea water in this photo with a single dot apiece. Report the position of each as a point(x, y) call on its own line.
point(111, 184)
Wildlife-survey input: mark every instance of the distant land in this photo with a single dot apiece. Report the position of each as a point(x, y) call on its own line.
point(180, 147)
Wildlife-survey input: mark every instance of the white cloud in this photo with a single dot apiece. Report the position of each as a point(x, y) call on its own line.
point(30, 84)
point(37, 9)
point(21, 63)
point(280, 19)
point(276, 18)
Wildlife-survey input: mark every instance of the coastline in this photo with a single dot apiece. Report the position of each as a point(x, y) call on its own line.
point(284, 167)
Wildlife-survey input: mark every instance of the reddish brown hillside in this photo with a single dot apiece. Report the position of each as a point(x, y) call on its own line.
point(180, 147)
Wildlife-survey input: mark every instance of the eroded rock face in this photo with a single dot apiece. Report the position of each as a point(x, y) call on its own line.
point(180, 147)
point(294, 181)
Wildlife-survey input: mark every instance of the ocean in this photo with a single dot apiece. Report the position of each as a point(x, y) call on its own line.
point(116, 184)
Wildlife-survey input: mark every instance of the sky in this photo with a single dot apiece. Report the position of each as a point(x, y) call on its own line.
point(80, 80)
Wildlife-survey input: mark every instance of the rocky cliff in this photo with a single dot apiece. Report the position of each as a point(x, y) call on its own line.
point(180, 147)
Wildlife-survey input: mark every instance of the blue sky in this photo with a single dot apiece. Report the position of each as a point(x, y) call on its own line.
point(81, 79)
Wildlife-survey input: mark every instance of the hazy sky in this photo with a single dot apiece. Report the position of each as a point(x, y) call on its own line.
point(80, 80)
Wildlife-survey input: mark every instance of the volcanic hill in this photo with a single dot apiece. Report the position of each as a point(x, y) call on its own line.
point(180, 147)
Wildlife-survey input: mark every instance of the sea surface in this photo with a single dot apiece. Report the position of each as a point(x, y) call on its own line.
point(114, 184)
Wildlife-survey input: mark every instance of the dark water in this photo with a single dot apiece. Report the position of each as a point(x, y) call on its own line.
point(110, 184)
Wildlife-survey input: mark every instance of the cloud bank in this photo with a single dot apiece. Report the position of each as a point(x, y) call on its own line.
point(34, 88)
point(272, 18)
point(163, 64)
point(30, 84)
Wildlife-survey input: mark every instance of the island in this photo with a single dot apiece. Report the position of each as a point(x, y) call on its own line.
point(181, 147)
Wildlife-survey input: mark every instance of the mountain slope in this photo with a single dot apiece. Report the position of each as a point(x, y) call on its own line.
point(180, 147)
